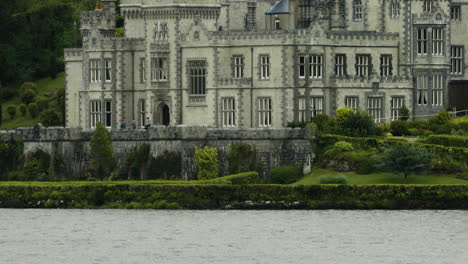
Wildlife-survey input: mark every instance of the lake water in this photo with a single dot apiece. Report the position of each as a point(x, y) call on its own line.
point(238, 237)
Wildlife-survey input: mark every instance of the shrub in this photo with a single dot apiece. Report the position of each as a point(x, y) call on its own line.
point(42, 104)
point(447, 140)
point(102, 158)
point(26, 87)
point(28, 96)
point(138, 162)
point(414, 132)
point(363, 162)
point(445, 164)
point(325, 125)
point(404, 113)
point(50, 118)
point(242, 178)
point(337, 148)
point(166, 166)
point(440, 124)
point(382, 129)
point(285, 174)
point(207, 161)
point(23, 109)
point(33, 171)
point(33, 110)
point(11, 111)
point(242, 158)
point(354, 124)
point(8, 158)
point(340, 179)
point(399, 128)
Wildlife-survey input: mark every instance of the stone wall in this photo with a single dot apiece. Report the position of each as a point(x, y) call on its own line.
point(274, 147)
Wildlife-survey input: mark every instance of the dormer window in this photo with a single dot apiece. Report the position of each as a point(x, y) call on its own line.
point(277, 23)
point(427, 6)
point(395, 9)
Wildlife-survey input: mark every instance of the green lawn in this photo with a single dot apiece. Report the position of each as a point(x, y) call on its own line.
point(379, 178)
point(46, 86)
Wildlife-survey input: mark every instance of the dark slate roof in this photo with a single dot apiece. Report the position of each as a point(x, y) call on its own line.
point(282, 7)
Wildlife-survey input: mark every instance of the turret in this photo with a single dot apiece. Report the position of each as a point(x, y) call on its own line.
point(99, 23)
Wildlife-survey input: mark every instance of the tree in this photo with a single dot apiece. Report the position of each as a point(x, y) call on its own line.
point(11, 111)
point(33, 110)
point(207, 161)
point(404, 113)
point(406, 159)
point(138, 162)
point(28, 96)
point(50, 118)
point(102, 158)
point(354, 123)
point(23, 109)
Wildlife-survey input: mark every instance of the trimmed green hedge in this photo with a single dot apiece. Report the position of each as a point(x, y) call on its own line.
point(446, 140)
point(241, 178)
point(359, 142)
point(234, 196)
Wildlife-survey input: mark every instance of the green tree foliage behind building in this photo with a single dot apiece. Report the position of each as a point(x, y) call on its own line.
point(33, 34)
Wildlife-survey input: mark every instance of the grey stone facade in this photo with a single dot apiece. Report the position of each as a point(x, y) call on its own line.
point(150, 72)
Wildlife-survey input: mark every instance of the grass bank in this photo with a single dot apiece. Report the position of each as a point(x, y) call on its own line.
point(379, 178)
point(225, 196)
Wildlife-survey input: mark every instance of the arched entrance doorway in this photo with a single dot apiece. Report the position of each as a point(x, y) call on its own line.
point(163, 115)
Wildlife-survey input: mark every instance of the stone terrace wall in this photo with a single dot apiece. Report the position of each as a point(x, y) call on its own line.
point(275, 147)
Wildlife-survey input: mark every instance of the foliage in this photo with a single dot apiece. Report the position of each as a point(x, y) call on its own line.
point(364, 143)
point(6, 93)
point(297, 124)
point(166, 166)
point(399, 128)
point(341, 179)
point(207, 162)
point(138, 162)
point(120, 32)
point(404, 113)
point(447, 140)
point(285, 174)
point(242, 178)
point(441, 123)
point(33, 110)
point(27, 86)
point(406, 159)
point(28, 96)
point(23, 109)
point(325, 125)
point(8, 158)
point(11, 111)
point(446, 164)
point(337, 148)
point(102, 158)
point(242, 158)
point(50, 118)
point(42, 104)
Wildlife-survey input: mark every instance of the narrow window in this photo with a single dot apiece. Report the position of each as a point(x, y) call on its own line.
point(455, 12)
point(456, 60)
point(95, 113)
point(159, 69)
point(386, 66)
point(142, 112)
point(316, 106)
point(315, 66)
point(375, 108)
point(362, 65)
point(357, 14)
point(228, 112)
point(108, 113)
point(302, 109)
point(238, 66)
point(422, 89)
point(143, 70)
point(197, 77)
point(438, 41)
point(302, 66)
point(264, 112)
point(277, 23)
point(163, 32)
point(108, 70)
point(340, 65)
point(437, 89)
point(395, 9)
point(422, 41)
point(264, 67)
point(352, 102)
point(396, 104)
point(95, 70)
point(427, 6)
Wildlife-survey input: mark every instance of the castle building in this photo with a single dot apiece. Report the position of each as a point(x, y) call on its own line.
point(264, 63)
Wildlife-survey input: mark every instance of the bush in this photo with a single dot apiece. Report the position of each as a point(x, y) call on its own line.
point(285, 174)
point(441, 123)
point(166, 166)
point(354, 124)
point(242, 178)
point(42, 104)
point(341, 179)
point(404, 113)
point(138, 162)
point(399, 128)
point(26, 87)
point(207, 161)
point(33, 110)
point(50, 118)
point(102, 158)
point(337, 148)
point(11, 111)
point(297, 124)
point(23, 109)
point(363, 162)
point(325, 125)
point(414, 132)
point(28, 96)
point(446, 140)
point(242, 158)
point(444, 164)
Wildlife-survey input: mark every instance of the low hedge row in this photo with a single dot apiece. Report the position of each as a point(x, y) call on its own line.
point(241, 178)
point(232, 196)
point(447, 140)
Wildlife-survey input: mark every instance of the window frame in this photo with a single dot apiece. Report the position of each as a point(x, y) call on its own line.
point(228, 112)
point(357, 10)
point(341, 65)
point(142, 112)
point(108, 113)
point(159, 69)
point(422, 89)
point(302, 68)
point(376, 108)
point(95, 70)
point(396, 103)
point(265, 67)
point(265, 115)
point(238, 70)
point(438, 41)
point(352, 102)
point(422, 40)
point(395, 9)
point(315, 66)
point(317, 105)
point(197, 76)
point(108, 70)
point(438, 87)
point(143, 70)
point(455, 12)
point(363, 67)
point(386, 65)
point(95, 113)
point(457, 62)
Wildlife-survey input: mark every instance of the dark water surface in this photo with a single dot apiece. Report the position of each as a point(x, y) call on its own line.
point(273, 237)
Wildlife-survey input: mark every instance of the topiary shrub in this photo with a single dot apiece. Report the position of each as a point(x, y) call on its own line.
point(33, 110)
point(207, 161)
point(11, 111)
point(340, 179)
point(23, 109)
point(399, 128)
point(285, 174)
point(28, 96)
point(50, 118)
